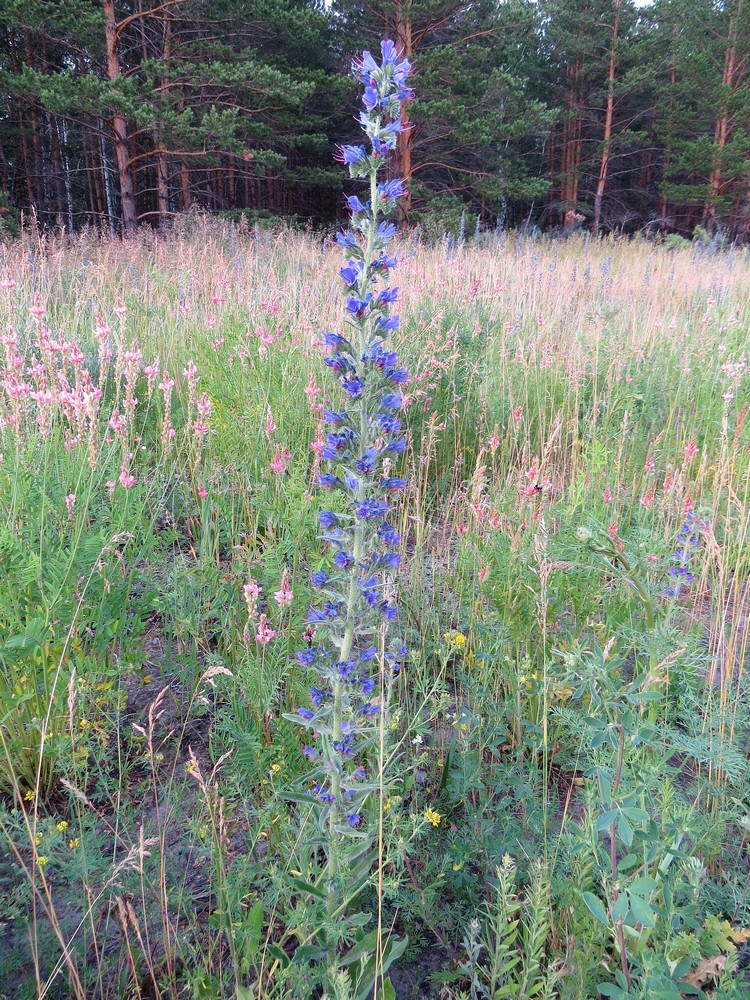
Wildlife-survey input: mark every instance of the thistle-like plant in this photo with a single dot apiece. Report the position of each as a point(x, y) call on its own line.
point(348, 643)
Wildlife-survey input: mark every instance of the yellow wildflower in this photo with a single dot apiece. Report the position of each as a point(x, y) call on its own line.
point(42, 860)
point(28, 795)
point(37, 839)
point(275, 768)
point(387, 804)
point(433, 817)
point(75, 842)
point(455, 640)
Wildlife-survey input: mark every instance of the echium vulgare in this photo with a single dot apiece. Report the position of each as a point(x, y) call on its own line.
point(349, 647)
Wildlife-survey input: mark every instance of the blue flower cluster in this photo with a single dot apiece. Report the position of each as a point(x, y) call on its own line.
point(682, 570)
point(364, 440)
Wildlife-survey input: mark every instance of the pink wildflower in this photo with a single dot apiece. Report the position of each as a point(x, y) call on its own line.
point(265, 633)
point(270, 425)
point(126, 479)
point(284, 594)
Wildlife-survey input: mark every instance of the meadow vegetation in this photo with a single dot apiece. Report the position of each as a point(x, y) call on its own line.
point(565, 788)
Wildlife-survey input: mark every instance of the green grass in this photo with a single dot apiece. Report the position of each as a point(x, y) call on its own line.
point(570, 404)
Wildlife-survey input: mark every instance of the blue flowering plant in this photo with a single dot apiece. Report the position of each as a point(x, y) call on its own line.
point(682, 568)
point(349, 643)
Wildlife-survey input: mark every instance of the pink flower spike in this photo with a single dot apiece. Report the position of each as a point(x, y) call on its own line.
point(270, 425)
point(126, 479)
point(265, 633)
point(202, 492)
point(284, 594)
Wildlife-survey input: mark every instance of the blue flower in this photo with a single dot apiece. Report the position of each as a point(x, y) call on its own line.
point(320, 579)
point(326, 518)
point(366, 464)
point(343, 560)
point(367, 684)
point(388, 534)
point(353, 819)
point(370, 508)
point(371, 98)
point(328, 482)
point(391, 401)
point(332, 417)
point(392, 483)
point(351, 154)
point(390, 559)
point(348, 241)
point(352, 272)
point(353, 386)
point(355, 205)
point(306, 714)
point(391, 189)
point(335, 340)
point(358, 307)
point(383, 263)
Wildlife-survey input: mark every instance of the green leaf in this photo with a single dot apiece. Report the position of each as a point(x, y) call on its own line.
point(637, 815)
point(625, 831)
point(303, 886)
point(607, 819)
point(279, 954)
point(610, 990)
point(596, 907)
point(641, 911)
point(387, 991)
point(643, 886)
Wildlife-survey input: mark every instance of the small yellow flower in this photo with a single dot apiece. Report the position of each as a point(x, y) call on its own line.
point(275, 768)
point(37, 839)
point(159, 757)
point(75, 842)
point(84, 723)
point(433, 817)
point(458, 866)
point(202, 832)
point(454, 640)
point(387, 804)
point(42, 860)
point(464, 726)
point(62, 826)
point(28, 795)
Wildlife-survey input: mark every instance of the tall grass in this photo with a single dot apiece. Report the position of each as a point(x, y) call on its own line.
point(556, 385)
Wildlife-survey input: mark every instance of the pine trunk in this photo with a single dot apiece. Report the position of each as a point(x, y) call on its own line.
point(609, 114)
point(119, 127)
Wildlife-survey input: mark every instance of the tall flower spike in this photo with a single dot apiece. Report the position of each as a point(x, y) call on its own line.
point(364, 439)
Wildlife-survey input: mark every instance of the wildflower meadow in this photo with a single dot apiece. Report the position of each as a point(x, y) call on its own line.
point(374, 608)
